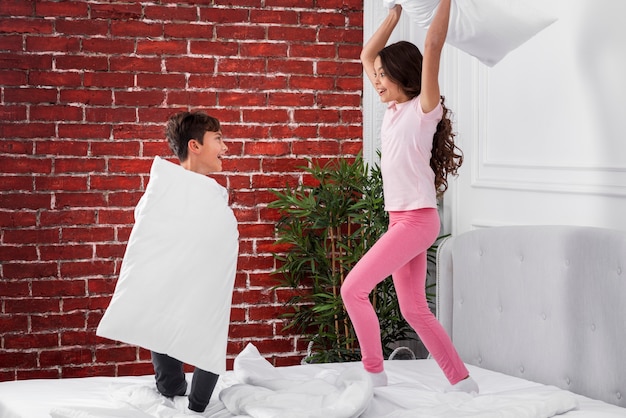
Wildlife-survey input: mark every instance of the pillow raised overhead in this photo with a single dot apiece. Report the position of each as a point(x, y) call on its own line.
point(486, 29)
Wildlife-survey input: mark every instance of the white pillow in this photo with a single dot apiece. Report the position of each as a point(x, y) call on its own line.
point(486, 29)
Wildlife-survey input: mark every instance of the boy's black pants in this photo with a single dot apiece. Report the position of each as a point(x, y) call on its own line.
point(170, 381)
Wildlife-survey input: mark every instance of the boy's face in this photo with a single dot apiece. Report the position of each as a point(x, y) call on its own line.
point(208, 155)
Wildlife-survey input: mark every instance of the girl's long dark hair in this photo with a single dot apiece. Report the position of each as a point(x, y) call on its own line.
point(402, 63)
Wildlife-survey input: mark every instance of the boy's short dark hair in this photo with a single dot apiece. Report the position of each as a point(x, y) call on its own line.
point(184, 126)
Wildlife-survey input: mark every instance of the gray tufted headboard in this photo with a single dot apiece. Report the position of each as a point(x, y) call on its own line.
point(544, 303)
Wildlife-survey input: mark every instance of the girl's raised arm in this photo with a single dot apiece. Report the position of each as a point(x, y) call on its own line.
point(435, 38)
point(378, 41)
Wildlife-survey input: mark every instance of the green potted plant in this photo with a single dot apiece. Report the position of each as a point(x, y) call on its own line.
point(327, 224)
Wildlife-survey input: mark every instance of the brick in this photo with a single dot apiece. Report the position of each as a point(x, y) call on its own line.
point(109, 251)
point(275, 16)
point(240, 65)
point(293, 34)
point(240, 31)
point(81, 338)
point(86, 97)
point(67, 217)
point(61, 183)
point(137, 131)
point(341, 132)
point(116, 11)
point(264, 181)
point(135, 369)
point(250, 330)
point(30, 95)
point(32, 305)
point(266, 115)
point(52, 43)
point(223, 15)
point(64, 200)
point(14, 289)
point(129, 165)
point(65, 252)
point(135, 28)
point(13, 113)
point(242, 99)
point(82, 27)
point(126, 63)
point(291, 131)
point(13, 324)
point(10, 359)
point(201, 30)
point(17, 253)
point(116, 216)
point(12, 271)
point(69, 372)
point(115, 182)
point(25, 200)
point(8, 146)
point(25, 165)
point(57, 79)
point(39, 373)
point(13, 78)
point(29, 26)
point(88, 234)
point(338, 100)
point(127, 199)
point(116, 115)
point(21, 219)
point(92, 62)
point(27, 130)
point(54, 147)
point(171, 12)
point(116, 354)
point(112, 79)
point(65, 9)
point(267, 148)
point(161, 80)
point(84, 131)
point(17, 8)
point(316, 147)
point(201, 65)
point(349, 69)
point(322, 18)
point(157, 47)
point(317, 51)
point(55, 321)
point(65, 356)
point(255, 263)
point(290, 66)
point(79, 165)
point(139, 98)
point(264, 82)
point(108, 46)
point(292, 99)
point(263, 49)
point(86, 268)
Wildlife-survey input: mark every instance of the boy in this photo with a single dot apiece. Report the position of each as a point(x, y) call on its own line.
point(175, 287)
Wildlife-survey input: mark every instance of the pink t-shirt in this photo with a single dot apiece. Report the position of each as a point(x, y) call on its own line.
point(406, 145)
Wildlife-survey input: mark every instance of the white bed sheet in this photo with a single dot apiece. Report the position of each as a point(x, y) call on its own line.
point(413, 387)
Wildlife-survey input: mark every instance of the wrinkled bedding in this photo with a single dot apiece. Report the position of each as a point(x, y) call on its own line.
point(257, 389)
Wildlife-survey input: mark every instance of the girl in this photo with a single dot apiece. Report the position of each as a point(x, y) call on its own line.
point(418, 153)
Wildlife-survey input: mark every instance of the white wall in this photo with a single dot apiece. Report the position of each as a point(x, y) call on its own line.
point(543, 131)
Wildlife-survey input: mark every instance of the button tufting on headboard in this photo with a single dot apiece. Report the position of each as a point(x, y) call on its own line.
point(560, 301)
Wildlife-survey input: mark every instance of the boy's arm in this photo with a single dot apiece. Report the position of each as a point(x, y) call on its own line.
point(435, 39)
point(378, 41)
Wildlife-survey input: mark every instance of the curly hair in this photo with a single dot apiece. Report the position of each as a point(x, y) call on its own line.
point(402, 63)
point(184, 126)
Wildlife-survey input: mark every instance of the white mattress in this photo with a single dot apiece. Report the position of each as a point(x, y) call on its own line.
point(416, 389)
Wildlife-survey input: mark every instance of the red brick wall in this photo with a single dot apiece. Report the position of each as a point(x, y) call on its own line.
point(85, 88)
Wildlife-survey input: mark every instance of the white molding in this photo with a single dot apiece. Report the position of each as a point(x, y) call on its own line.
point(609, 180)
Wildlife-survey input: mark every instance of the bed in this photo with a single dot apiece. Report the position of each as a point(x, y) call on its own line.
point(536, 312)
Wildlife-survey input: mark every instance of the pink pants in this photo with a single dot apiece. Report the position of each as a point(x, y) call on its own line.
point(401, 252)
